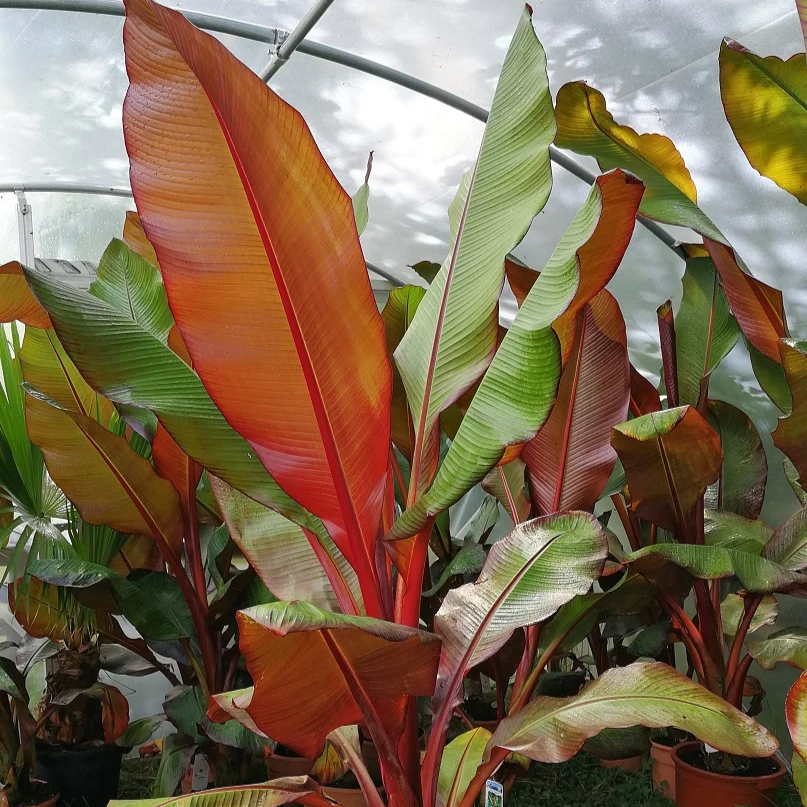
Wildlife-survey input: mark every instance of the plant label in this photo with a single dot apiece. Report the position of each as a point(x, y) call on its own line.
point(494, 794)
point(201, 773)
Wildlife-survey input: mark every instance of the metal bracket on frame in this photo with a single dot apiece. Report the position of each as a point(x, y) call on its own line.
point(25, 228)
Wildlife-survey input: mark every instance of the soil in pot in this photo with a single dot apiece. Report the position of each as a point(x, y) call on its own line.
point(85, 776)
point(481, 713)
point(40, 794)
point(284, 762)
point(755, 785)
point(561, 684)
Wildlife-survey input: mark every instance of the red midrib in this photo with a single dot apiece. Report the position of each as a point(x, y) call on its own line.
point(158, 533)
point(452, 796)
point(665, 463)
point(73, 390)
point(710, 332)
point(567, 430)
point(440, 719)
point(346, 504)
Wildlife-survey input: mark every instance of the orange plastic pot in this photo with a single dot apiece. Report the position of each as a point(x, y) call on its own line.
point(663, 769)
point(631, 764)
point(698, 788)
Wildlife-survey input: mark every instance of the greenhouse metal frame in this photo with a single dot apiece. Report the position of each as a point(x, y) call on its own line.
point(282, 45)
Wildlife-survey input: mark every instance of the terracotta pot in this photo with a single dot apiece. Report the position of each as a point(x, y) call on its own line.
point(346, 796)
point(698, 788)
point(663, 769)
point(631, 764)
point(280, 765)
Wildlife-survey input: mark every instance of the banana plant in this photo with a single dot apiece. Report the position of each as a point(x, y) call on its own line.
point(695, 467)
point(236, 332)
point(34, 511)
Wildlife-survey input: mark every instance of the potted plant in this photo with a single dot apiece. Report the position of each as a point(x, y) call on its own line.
point(288, 374)
point(79, 718)
point(17, 730)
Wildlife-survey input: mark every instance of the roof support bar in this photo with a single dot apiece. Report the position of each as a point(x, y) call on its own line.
point(64, 187)
point(295, 38)
point(272, 36)
point(25, 225)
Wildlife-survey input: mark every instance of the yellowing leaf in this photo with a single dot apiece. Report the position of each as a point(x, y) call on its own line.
point(648, 694)
point(587, 127)
point(461, 758)
point(765, 100)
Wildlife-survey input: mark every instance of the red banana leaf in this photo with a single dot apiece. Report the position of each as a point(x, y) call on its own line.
point(48, 369)
point(570, 459)
point(790, 435)
point(292, 563)
point(520, 278)
point(601, 255)
point(649, 694)
point(666, 332)
point(314, 671)
point(17, 301)
point(104, 477)
point(705, 330)
point(757, 307)
point(288, 790)
point(670, 458)
point(452, 339)
point(173, 464)
point(258, 249)
point(644, 397)
point(114, 711)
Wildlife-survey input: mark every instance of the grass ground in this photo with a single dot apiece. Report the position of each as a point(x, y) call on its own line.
point(581, 782)
point(136, 778)
point(578, 783)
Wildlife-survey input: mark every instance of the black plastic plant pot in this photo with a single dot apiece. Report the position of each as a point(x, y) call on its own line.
point(85, 777)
